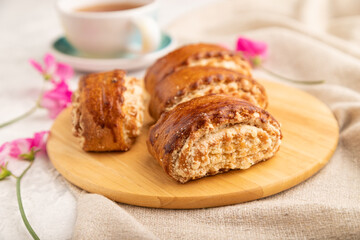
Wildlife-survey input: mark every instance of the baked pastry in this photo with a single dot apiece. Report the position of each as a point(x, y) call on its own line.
point(195, 55)
point(212, 134)
point(192, 82)
point(108, 111)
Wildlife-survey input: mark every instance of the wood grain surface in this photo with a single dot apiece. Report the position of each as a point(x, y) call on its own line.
point(310, 136)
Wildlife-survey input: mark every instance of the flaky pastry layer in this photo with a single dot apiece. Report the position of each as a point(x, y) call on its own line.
point(191, 82)
point(194, 55)
point(213, 134)
point(107, 111)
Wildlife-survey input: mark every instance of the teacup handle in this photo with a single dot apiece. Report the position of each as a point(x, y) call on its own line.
point(150, 33)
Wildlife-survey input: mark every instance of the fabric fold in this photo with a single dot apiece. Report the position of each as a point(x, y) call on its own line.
point(100, 218)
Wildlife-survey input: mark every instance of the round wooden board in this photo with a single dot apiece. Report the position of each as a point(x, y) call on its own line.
point(310, 136)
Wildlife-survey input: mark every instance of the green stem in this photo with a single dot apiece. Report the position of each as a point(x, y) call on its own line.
point(291, 80)
point(14, 175)
point(28, 113)
point(24, 115)
point(21, 208)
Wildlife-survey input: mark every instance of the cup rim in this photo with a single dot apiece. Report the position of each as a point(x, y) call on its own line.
point(128, 12)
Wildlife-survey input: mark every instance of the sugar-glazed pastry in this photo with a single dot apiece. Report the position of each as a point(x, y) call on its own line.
point(191, 82)
point(108, 111)
point(195, 55)
point(212, 134)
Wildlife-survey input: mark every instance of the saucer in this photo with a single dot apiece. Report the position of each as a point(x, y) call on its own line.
point(66, 53)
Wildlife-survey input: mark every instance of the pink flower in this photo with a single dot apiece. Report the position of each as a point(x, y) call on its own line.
point(253, 51)
point(64, 71)
point(52, 70)
point(19, 146)
point(22, 148)
point(4, 152)
point(57, 99)
point(16, 148)
point(39, 141)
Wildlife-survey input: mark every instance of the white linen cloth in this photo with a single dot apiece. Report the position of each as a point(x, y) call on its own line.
point(315, 39)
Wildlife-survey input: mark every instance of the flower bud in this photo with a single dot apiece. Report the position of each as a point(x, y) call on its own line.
point(4, 172)
point(30, 156)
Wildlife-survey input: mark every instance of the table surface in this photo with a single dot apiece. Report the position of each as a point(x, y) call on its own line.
point(27, 34)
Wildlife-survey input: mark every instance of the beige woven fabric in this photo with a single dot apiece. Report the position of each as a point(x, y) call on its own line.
point(307, 40)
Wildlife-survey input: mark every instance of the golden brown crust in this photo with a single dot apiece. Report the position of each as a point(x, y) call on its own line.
point(190, 82)
point(187, 56)
point(199, 118)
point(100, 117)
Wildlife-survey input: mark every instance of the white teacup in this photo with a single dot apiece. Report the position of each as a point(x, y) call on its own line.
point(109, 33)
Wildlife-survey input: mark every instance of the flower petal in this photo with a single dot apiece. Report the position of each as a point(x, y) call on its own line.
point(251, 48)
point(261, 49)
point(39, 140)
point(19, 146)
point(49, 61)
point(36, 65)
point(64, 71)
point(56, 99)
point(243, 45)
point(4, 151)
